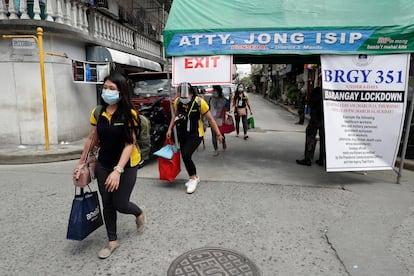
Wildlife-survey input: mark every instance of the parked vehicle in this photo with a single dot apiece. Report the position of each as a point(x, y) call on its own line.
point(159, 123)
point(149, 87)
point(152, 95)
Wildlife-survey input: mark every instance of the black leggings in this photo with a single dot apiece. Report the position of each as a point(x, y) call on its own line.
point(244, 122)
point(188, 145)
point(117, 200)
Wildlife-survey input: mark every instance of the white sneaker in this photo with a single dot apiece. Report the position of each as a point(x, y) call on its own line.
point(186, 183)
point(192, 185)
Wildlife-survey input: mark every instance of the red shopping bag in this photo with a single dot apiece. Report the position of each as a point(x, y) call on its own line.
point(228, 124)
point(169, 169)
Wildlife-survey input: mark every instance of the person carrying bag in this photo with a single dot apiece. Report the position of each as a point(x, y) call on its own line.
point(217, 104)
point(116, 126)
point(239, 104)
point(187, 120)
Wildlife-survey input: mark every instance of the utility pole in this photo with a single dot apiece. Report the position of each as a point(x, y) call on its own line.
point(39, 41)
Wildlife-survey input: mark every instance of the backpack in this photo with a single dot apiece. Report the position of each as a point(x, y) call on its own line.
point(144, 135)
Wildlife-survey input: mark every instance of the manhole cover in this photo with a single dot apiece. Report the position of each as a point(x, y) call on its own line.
point(212, 261)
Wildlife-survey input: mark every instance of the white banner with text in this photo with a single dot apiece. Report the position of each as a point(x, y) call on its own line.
point(364, 102)
point(199, 70)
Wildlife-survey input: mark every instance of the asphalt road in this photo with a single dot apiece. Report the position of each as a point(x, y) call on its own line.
point(253, 198)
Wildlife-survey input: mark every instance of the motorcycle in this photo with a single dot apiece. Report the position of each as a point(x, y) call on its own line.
point(159, 123)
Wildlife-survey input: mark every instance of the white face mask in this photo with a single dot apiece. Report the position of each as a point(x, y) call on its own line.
point(110, 96)
point(240, 89)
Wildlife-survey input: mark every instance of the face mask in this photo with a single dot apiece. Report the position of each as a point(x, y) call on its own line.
point(240, 89)
point(110, 96)
point(215, 94)
point(185, 100)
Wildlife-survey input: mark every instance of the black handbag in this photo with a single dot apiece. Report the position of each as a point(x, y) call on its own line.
point(85, 216)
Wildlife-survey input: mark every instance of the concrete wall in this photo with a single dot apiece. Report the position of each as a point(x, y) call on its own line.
point(68, 104)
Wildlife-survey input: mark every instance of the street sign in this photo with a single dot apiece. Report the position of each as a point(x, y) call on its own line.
point(23, 43)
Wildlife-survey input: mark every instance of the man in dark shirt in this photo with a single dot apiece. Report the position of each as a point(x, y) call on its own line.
point(315, 125)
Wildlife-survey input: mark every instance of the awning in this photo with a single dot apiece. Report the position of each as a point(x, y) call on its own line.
point(279, 27)
point(104, 54)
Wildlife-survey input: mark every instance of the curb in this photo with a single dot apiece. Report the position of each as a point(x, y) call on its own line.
point(37, 158)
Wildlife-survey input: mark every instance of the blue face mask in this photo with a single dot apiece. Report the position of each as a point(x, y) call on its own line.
point(110, 96)
point(185, 100)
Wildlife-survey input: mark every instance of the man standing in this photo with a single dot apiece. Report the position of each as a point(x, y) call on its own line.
point(315, 125)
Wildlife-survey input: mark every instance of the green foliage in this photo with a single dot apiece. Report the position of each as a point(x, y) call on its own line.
point(292, 93)
point(274, 93)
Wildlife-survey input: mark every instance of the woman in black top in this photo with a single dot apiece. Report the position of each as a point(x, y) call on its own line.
point(188, 111)
point(115, 131)
point(240, 103)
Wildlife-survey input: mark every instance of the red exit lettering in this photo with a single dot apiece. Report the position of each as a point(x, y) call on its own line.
point(200, 62)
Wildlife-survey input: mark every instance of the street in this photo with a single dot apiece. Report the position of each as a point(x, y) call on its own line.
point(253, 198)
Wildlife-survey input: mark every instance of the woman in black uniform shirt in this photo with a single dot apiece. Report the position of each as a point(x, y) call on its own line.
point(115, 131)
point(188, 111)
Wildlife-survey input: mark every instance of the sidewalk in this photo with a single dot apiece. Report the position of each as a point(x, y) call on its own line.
point(33, 154)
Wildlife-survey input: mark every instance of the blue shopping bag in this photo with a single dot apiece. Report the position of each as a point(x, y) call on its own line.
point(85, 216)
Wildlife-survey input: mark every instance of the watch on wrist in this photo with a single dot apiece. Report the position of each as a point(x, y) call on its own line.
point(119, 169)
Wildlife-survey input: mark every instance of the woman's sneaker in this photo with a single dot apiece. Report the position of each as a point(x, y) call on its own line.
point(192, 185)
point(141, 221)
point(186, 183)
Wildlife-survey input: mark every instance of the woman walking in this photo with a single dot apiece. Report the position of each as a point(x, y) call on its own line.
point(188, 109)
point(218, 110)
point(239, 104)
point(115, 130)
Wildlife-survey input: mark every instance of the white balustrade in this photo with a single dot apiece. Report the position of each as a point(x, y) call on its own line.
point(74, 14)
point(23, 10)
point(3, 10)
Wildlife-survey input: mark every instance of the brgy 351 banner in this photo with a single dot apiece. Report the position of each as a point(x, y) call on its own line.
point(364, 102)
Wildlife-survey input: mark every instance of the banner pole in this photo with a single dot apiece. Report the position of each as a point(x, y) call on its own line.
point(406, 135)
point(174, 130)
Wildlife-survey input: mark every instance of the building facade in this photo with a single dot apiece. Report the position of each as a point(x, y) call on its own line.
point(124, 36)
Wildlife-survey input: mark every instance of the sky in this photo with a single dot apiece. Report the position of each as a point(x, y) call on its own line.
point(245, 68)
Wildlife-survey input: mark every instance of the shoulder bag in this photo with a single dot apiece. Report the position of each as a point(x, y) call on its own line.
point(83, 175)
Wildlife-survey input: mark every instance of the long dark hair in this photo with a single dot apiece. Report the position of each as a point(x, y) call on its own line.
point(219, 90)
point(124, 105)
point(237, 94)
